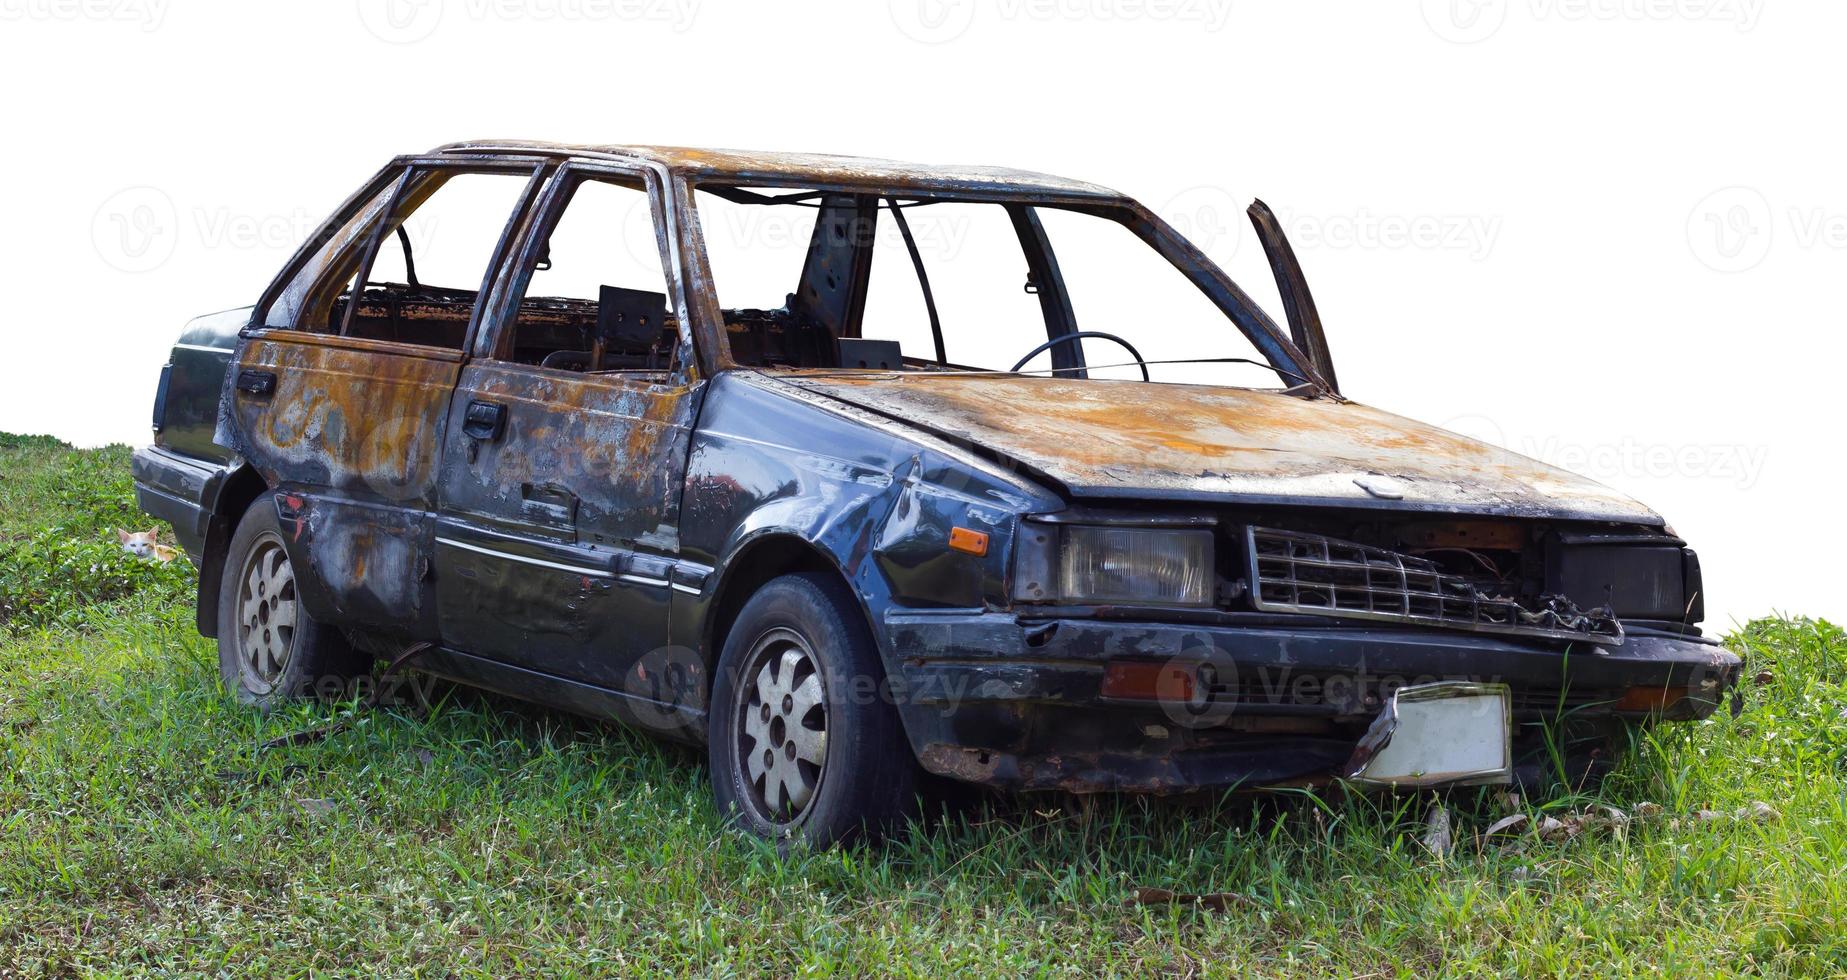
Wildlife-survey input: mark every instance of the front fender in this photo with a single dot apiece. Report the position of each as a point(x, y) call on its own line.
point(877, 499)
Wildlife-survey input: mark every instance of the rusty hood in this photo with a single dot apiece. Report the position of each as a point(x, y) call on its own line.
point(1128, 440)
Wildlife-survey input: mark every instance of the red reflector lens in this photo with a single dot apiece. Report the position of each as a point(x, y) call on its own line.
point(1134, 681)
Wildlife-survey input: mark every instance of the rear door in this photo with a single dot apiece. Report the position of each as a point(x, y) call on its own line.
point(339, 393)
point(565, 451)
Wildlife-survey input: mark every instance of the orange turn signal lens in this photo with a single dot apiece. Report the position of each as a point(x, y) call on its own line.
point(969, 542)
point(1650, 698)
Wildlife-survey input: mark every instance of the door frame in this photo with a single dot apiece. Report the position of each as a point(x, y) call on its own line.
point(604, 568)
point(412, 520)
point(496, 317)
point(396, 175)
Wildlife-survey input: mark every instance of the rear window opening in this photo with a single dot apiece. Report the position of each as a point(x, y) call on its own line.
point(424, 279)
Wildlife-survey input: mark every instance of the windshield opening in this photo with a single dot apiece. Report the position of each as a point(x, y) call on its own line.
point(828, 280)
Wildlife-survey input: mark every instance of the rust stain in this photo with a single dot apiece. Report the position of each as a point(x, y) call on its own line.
point(357, 415)
point(818, 168)
point(1104, 434)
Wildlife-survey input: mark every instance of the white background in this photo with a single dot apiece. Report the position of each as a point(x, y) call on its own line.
point(1607, 233)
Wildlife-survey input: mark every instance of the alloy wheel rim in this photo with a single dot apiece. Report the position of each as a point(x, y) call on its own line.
point(267, 612)
point(782, 730)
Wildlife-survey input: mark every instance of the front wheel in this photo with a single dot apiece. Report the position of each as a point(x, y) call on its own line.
point(805, 744)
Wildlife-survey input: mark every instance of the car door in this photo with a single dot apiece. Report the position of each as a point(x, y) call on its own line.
point(565, 451)
point(339, 393)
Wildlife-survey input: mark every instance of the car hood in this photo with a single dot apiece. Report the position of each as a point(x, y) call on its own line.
point(1123, 440)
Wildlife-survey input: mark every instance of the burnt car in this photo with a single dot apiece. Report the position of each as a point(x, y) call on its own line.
point(853, 471)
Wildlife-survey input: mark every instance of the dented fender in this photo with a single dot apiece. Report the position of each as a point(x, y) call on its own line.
point(771, 463)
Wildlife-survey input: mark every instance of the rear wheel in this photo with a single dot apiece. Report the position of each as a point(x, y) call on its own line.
point(269, 649)
point(804, 743)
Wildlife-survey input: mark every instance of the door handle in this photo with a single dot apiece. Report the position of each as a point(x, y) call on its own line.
point(548, 501)
point(484, 421)
point(259, 383)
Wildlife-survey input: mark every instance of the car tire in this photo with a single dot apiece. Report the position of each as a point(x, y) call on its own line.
point(1573, 758)
point(269, 649)
point(805, 744)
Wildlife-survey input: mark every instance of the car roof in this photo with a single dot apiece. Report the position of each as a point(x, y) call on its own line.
point(819, 169)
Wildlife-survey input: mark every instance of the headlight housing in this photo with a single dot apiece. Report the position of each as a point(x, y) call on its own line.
point(1155, 566)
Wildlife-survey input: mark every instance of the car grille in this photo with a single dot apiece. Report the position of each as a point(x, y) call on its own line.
point(1309, 573)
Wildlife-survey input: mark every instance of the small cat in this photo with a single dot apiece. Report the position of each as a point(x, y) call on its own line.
point(142, 544)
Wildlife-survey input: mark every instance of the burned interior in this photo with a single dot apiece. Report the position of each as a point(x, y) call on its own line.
point(707, 441)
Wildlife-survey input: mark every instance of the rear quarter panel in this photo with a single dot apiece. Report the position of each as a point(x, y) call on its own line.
point(187, 411)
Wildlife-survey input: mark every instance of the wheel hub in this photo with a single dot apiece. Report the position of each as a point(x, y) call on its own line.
point(782, 743)
point(266, 614)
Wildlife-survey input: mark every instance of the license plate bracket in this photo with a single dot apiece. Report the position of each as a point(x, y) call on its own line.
point(1445, 733)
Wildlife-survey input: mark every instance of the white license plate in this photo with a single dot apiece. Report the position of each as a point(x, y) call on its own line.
point(1448, 733)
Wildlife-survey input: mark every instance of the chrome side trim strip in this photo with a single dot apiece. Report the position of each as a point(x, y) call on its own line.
point(575, 569)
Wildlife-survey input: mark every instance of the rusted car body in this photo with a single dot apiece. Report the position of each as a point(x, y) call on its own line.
point(588, 537)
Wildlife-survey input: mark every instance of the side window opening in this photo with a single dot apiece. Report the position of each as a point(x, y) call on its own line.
point(336, 254)
point(795, 278)
point(978, 277)
point(763, 249)
point(826, 279)
point(596, 299)
point(425, 277)
point(1119, 284)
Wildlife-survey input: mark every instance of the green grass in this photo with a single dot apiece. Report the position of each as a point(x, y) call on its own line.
point(142, 831)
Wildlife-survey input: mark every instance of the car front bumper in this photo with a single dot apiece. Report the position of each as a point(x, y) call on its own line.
point(1022, 703)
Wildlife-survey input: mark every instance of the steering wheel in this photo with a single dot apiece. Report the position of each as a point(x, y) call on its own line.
point(1080, 335)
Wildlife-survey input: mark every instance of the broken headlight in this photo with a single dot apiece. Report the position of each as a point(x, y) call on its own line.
point(1100, 564)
